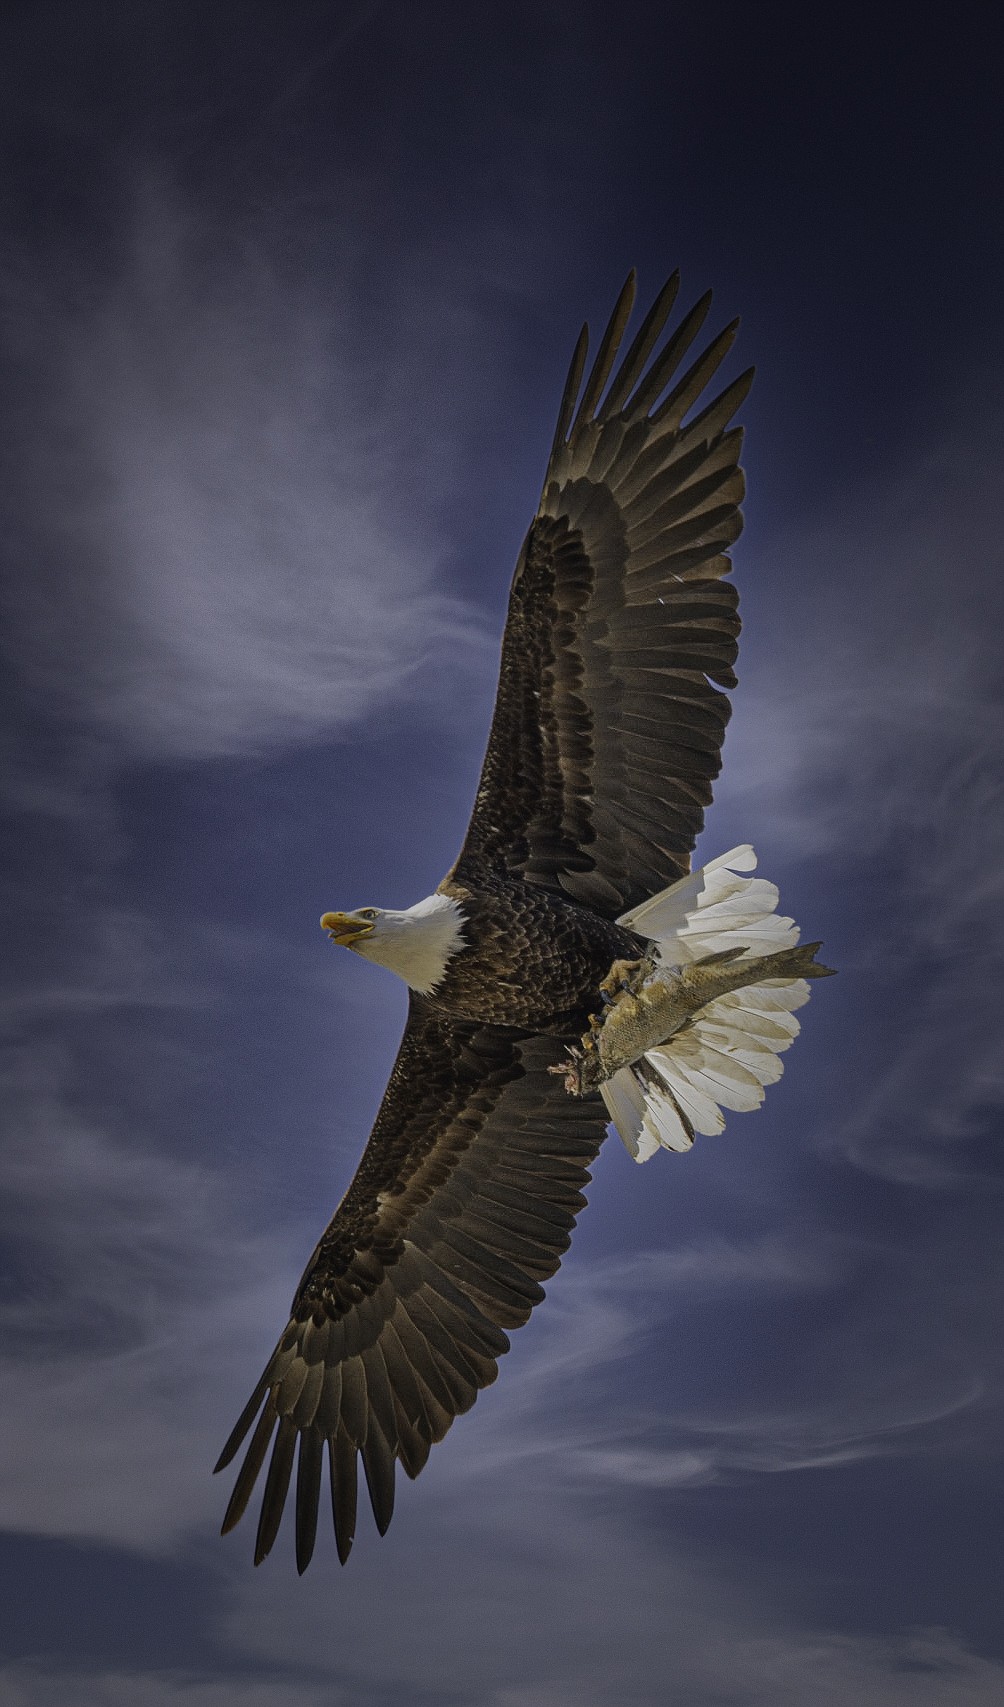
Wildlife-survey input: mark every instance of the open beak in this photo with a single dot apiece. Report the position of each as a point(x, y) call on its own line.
point(344, 929)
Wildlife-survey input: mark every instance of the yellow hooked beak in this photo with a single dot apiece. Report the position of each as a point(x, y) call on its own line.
point(345, 928)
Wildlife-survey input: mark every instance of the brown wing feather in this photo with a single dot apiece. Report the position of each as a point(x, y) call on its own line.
point(462, 1204)
point(621, 631)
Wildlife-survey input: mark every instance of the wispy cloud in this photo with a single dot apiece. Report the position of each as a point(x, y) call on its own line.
point(709, 1659)
point(93, 955)
point(568, 1415)
point(226, 529)
point(28, 1685)
point(876, 761)
point(133, 1315)
point(873, 721)
point(148, 1264)
point(605, 1613)
point(929, 1667)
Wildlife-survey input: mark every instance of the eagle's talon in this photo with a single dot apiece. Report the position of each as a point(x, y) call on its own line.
point(625, 978)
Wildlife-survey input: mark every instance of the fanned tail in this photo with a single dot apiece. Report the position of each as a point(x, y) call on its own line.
point(727, 1055)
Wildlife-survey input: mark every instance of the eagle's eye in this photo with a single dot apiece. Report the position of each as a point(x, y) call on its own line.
point(367, 913)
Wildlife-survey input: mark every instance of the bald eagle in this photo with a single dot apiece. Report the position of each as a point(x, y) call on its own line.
point(571, 910)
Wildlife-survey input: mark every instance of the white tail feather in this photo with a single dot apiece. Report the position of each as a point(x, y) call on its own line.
point(645, 1114)
point(730, 1050)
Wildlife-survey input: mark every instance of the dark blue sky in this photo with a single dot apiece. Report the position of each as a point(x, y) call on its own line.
point(288, 293)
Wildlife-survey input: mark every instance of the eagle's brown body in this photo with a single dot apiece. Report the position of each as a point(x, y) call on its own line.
point(606, 738)
point(535, 960)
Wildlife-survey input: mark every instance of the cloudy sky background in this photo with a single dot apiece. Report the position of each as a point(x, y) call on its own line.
point(288, 294)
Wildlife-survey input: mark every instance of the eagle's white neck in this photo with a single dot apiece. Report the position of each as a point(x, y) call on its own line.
point(419, 943)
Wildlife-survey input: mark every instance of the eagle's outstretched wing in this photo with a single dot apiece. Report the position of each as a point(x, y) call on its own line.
point(607, 731)
point(461, 1206)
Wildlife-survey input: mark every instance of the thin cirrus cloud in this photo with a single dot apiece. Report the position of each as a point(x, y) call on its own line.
point(131, 1318)
point(39, 1685)
point(875, 757)
point(874, 717)
point(710, 1654)
point(148, 1260)
point(222, 495)
point(566, 1418)
point(604, 1614)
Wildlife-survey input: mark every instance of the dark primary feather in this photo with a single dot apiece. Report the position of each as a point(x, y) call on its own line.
point(462, 1204)
point(609, 718)
point(646, 338)
point(606, 355)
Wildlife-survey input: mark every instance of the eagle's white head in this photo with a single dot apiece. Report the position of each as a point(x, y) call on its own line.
point(418, 944)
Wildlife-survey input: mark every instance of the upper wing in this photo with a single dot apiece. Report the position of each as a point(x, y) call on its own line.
point(463, 1202)
point(607, 731)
